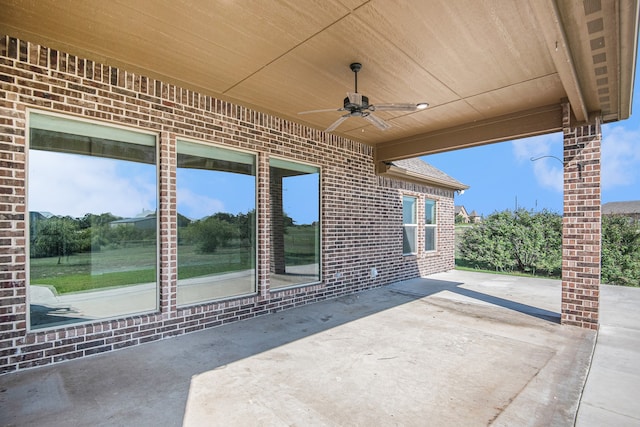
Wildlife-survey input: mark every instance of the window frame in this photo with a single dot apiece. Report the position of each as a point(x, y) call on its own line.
point(204, 146)
point(86, 123)
point(283, 161)
point(413, 225)
point(433, 225)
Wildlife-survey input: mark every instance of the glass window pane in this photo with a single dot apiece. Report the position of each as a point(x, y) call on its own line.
point(430, 238)
point(408, 210)
point(295, 223)
point(216, 223)
point(409, 235)
point(92, 223)
point(409, 240)
point(429, 212)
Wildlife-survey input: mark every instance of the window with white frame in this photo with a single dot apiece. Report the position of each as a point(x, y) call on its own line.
point(409, 225)
point(430, 225)
point(92, 199)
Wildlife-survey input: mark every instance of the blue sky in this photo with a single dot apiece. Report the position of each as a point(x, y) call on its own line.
point(502, 175)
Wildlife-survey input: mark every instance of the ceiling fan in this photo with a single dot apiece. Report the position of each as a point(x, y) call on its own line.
point(357, 105)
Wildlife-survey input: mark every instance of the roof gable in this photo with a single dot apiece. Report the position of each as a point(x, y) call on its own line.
point(620, 208)
point(417, 170)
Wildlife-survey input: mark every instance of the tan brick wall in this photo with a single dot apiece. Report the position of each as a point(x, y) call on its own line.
point(361, 212)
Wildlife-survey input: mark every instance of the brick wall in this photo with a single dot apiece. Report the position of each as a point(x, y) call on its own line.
point(361, 212)
point(581, 238)
point(277, 224)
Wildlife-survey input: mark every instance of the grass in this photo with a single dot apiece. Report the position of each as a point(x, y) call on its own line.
point(462, 264)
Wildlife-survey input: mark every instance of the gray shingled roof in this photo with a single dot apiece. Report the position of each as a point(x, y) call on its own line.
point(419, 166)
point(620, 208)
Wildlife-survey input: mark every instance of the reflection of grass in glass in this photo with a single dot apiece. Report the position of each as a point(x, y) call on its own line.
point(86, 271)
point(130, 266)
point(136, 265)
point(85, 282)
point(192, 263)
point(300, 245)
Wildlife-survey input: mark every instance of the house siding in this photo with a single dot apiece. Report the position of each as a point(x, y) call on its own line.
point(361, 211)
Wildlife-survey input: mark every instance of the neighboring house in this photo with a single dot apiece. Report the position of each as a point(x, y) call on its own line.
point(367, 227)
point(143, 223)
point(474, 217)
point(629, 209)
point(467, 218)
point(40, 215)
point(461, 215)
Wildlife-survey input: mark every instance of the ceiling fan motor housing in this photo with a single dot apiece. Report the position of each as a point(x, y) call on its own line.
point(349, 106)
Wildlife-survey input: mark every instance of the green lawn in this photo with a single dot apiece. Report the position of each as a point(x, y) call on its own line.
point(462, 264)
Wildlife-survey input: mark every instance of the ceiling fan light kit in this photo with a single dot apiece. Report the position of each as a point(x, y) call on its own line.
point(358, 105)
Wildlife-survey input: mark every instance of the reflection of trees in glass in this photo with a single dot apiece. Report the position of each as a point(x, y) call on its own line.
point(209, 233)
point(64, 236)
point(56, 237)
point(219, 230)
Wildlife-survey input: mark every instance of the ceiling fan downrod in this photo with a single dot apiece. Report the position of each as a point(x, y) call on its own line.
point(355, 67)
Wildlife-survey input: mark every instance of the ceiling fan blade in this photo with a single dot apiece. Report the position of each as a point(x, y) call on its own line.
point(355, 98)
point(337, 123)
point(324, 110)
point(377, 121)
point(394, 107)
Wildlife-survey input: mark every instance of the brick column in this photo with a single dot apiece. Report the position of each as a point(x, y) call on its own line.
point(277, 223)
point(168, 236)
point(263, 216)
point(581, 226)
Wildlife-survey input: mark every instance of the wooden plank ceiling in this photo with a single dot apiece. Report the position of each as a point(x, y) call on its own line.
point(491, 70)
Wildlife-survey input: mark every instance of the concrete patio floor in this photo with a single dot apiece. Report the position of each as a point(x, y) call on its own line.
point(453, 349)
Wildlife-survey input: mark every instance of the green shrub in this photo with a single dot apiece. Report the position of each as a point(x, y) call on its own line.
point(521, 241)
point(529, 242)
point(620, 251)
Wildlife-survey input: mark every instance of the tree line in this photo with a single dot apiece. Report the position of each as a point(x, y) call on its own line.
point(531, 242)
point(62, 236)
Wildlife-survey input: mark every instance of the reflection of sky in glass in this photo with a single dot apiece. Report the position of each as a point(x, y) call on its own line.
point(202, 193)
point(430, 212)
point(408, 210)
point(74, 185)
point(300, 198)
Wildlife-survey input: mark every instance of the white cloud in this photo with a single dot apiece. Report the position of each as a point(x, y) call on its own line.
point(547, 170)
point(75, 185)
point(620, 157)
point(197, 206)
